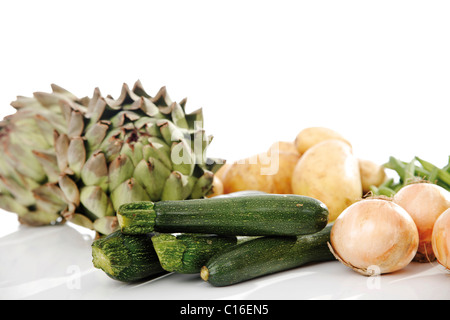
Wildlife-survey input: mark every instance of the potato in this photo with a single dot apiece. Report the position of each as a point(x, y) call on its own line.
point(217, 188)
point(309, 137)
point(246, 175)
point(372, 174)
point(222, 171)
point(268, 172)
point(284, 146)
point(329, 172)
point(282, 180)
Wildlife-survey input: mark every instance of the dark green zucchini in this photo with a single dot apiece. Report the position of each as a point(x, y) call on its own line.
point(246, 215)
point(264, 256)
point(126, 258)
point(188, 253)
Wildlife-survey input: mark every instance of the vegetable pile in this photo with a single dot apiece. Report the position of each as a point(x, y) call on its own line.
point(322, 204)
point(227, 239)
point(134, 170)
point(319, 163)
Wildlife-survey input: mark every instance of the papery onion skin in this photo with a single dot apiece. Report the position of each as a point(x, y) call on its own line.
point(424, 202)
point(375, 234)
point(441, 239)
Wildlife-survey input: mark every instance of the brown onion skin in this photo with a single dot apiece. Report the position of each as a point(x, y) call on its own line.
point(375, 233)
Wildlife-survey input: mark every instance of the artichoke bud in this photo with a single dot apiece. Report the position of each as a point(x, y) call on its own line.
point(178, 186)
point(195, 120)
point(127, 192)
point(80, 159)
point(158, 151)
point(61, 150)
point(46, 129)
point(49, 100)
point(96, 202)
point(150, 108)
point(96, 135)
point(112, 145)
point(29, 132)
point(23, 195)
point(95, 171)
point(162, 98)
point(120, 170)
point(124, 119)
point(49, 164)
point(63, 92)
point(70, 189)
point(9, 204)
point(25, 163)
point(203, 185)
point(138, 153)
point(40, 218)
point(106, 225)
point(149, 174)
point(160, 145)
point(134, 154)
point(152, 129)
point(76, 156)
point(170, 133)
point(22, 102)
point(199, 144)
point(6, 169)
point(96, 108)
point(76, 125)
point(82, 220)
point(182, 158)
point(49, 198)
point(178, 116)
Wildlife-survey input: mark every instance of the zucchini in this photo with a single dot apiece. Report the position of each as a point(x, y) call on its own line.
point(246, 215)
point(126, 258)
point(264, 256)
point(187, 253)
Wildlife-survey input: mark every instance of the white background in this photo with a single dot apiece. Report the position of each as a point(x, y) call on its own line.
point(378, 72)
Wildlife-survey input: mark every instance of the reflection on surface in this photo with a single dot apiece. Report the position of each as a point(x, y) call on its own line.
point(56, 263)
point(35, 259)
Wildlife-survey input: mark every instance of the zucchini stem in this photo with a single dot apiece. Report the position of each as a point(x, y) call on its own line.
point(137, 217)
point(204, 273)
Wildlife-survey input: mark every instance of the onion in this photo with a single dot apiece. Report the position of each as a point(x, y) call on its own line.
point(424, 202)
point(374, 236)
point(440, 239)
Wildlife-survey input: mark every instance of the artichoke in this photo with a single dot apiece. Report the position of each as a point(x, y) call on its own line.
point(74, 159)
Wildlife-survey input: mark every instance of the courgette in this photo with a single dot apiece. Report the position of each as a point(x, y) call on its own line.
point(187, 253)
point(264, 256)
point(246, 215)
point(126, 258)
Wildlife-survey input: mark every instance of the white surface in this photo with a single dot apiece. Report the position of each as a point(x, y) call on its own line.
point(376, 71)
point(55, 263)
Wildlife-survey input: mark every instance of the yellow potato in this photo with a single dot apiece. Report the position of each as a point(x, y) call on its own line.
point(311, 136)
point(284, 146)
point(329, 172)
point(282, 180)
point(372, 174)
point(217, 188)
point(249, 174)
point(269, 172)
point(222, 171)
